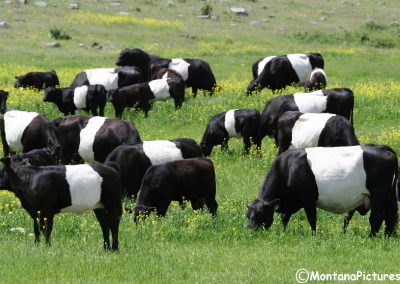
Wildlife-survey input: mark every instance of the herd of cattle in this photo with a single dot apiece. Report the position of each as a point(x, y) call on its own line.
point(79, 163)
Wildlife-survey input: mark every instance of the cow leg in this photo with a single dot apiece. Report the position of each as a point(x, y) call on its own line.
point(105, 226)
point(182, 204)
point(46, 223)
point(114, 217)
point(311, 213)
point(36, 230)
point(247, 143)
point(347, 219)
point(162, 208)
point(194, 91)
point(212, 205)
point(376, 219)
point(93, 110)
point(285, 219)
point(224, 144)
point(101, 109)
point(118, 112)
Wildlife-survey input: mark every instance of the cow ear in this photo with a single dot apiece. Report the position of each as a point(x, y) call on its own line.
point(274, 203)
point(6, 160)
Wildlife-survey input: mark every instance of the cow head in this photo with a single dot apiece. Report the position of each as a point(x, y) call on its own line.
point(141, 212)
point(261, 213)
point(4, 176)
point(3, 101)
point(177, 90)
point(50, 95)
point(20, 81)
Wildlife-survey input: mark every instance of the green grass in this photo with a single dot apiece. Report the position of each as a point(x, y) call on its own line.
point(189, 246)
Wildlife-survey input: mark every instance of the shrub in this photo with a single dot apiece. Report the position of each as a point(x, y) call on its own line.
point(373, 26)
point(58, 33)
point(206, 10)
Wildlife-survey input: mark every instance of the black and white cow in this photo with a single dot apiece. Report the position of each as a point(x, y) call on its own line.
point(142, 95)
point(298, 130)
point(110, 78)
point(335, 179)
point(134, 160)
point(317, 81)
point(37, 80)
point(46, 191)
point(93, 138)
point(191, 179)
point(3, 101)
point(234, 123)
point(168, 73)
point(196, 73)
point(23, 131)
point(138, 58)
point(259, 65)
point(277, 72)
point(37, 157)
point(338, 101)
point(68, 100)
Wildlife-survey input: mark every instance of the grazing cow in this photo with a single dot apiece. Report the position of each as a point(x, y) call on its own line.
point(317, 80)
point(337, 180)
point(297, 131)
point(338, 101)
point(285, 70)
point(23, 131)
point(196, 73)
point(46, 191)
point(235, 123)
point(110, 78)
point(138, 58)
point(68, 100)
point(3, 101)
point(259, 65)
point(37, 80)
point(134, 160)
point(191, 179)
point(93, 138)
point(142, 95)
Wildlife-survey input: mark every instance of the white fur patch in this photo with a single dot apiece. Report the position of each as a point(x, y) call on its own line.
point(314, 102)
point(160, 89)
point(85, 188)
point(180, 66)
point(103, 76)
point(340, 176)
point(318, 70)
point(87, 136)
point(161, 151)
point(80, 94)
point(230, 123)
point(307, 129)
point(15, 122)
point(301, 64)
point(262, 64)
point(165, 76)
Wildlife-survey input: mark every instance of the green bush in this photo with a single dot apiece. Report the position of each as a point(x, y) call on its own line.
point(206, 10)
point(58, 33)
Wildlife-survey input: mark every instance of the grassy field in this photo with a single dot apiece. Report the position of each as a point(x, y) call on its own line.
point(360, 43)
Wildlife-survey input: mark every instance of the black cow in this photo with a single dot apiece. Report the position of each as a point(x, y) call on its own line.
point(110, 78)
point(138, 58)
point(337, 179)
point(46, 191)
point(317, 80)
point(196, 73)
point(37, 80)
point(93, 138)
point(297, 130)
point(191, 179)
point(3, 101)
point(134, 160)
point(338, 101)
point(142, 95)
point(235, 123)
point(68, 100)
point(281, 71)
point(23, 131)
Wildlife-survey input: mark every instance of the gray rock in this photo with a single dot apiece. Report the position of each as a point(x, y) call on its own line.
point(203, 17)
point(215, 18)
point(122, 13)
point(4, 25)
point(188, 36)
point(96, 45)
point(254, 23)
point(74, 6)
point(170, 3)
point(7, 2)
point(81, 45)
point(313, 23)
point(53, 44)
point(239, 11)
point(40, 4)
point(115, 4)
point(323, 18)
point(23, 1)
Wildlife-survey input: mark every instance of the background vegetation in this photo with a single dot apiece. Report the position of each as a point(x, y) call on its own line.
point(360, 44)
